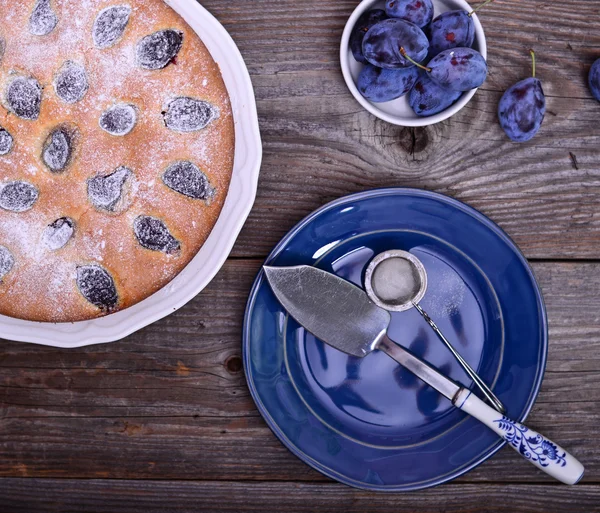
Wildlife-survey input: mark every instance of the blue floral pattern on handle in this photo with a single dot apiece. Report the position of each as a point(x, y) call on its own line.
point(534, 447)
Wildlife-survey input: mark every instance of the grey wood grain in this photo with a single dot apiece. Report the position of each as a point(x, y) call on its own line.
point(320, 144)
point(171, 402)
point(109, 496)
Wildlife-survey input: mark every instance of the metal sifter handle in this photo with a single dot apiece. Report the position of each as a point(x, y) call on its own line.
point(490, 396)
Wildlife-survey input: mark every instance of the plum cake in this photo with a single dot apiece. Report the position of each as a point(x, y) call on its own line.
point(116, 153)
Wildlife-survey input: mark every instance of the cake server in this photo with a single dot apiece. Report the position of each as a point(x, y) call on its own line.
point(341, 315)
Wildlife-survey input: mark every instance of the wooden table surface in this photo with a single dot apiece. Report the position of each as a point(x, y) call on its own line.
point(163, 421)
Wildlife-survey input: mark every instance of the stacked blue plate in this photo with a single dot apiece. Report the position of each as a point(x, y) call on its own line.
point(368, 422)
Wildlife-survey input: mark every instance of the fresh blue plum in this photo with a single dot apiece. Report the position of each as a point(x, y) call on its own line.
point(419, 12)
point(459, 69)
point(383, 85)
point(427, 98)
point(522, 109)
point(594, 79)
point(364, 23)
point(383, 43)
point(452, 29)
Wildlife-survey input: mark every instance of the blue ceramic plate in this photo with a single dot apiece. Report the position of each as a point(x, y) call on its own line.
point(368, 422)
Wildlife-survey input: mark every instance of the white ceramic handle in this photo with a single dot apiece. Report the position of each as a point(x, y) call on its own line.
point(540, 451)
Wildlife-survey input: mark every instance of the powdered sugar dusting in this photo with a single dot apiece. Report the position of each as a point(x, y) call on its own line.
point(22, 234)
point(51, 279)
point(7, 261)
point(185, 114)
point(185, 178)
point(18, 196)
point(449, 294)
point(6, 141)
point(94, 247)
point(43, 19)
point(24, 97)
point(57, 234)
point(97, 286)
point(153, 234)
point(58, 149)
point(71, 82)
point(157, 50)
point(50, 227)
point(109, 192)
point(110, 25)
point(64, 40)
point(119, 119)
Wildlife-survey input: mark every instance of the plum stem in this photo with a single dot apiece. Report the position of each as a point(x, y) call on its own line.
point(532, 63)
point(480, 6)
point(410, 59)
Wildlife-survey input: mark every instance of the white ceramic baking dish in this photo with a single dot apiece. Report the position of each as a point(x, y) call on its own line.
point(211, 257)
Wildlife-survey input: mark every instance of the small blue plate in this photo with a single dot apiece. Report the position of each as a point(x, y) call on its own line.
point(368, 422)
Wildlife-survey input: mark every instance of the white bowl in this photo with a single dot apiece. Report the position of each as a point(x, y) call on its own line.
point(240, 198)
point(399, 111)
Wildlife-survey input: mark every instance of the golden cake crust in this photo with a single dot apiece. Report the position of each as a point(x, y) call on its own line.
point(42, 284)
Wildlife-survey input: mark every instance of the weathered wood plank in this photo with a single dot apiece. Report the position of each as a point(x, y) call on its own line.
point(284, 36)
point(320, 144)
point(171, 401)
point(99, 496)
point(331, 148)
point(172, 447)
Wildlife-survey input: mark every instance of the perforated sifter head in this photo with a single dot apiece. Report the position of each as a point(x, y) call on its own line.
point(396, 280)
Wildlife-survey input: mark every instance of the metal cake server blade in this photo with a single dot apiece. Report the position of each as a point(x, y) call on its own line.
point(341, 315)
